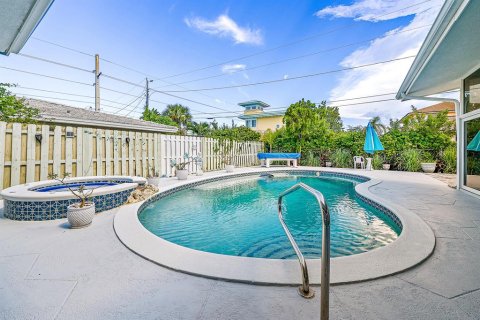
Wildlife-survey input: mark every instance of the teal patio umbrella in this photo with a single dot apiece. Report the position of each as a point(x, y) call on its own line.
point(474, 145)
point(372, 142)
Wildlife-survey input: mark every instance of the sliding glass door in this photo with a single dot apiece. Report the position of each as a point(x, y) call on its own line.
point(470, 125)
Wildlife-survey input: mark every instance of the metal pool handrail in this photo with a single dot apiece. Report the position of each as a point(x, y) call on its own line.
point(305, 290)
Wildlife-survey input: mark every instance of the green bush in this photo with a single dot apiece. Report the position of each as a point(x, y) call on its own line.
point(341, 158)
point(450, 159)
point(377, 161)
point(311, 159)
point(410, 160)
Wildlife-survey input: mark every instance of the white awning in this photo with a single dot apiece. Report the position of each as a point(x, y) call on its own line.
point(18, 20)
point(450, 52)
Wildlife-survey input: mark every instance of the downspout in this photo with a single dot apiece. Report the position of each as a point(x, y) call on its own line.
point(457, 124)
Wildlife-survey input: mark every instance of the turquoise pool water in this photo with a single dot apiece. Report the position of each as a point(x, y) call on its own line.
point(239, 217)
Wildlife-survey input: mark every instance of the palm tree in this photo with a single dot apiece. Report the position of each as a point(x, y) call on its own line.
point(395, 124)
point(179, 114)
point(200, 128)
point(378, 126)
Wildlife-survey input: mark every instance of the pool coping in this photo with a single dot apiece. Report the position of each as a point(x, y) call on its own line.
point(415, 244)
point(25, 192)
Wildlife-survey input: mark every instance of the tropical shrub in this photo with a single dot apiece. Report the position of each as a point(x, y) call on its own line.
point(311, 158)
point(377, 161)
point(449, 158)
point(410, 160)
point(341, 158)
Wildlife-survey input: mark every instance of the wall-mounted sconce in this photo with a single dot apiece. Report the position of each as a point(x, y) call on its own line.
point(127, 140)
point(38, 137)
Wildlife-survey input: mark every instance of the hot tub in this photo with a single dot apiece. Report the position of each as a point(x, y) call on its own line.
point(48, 200)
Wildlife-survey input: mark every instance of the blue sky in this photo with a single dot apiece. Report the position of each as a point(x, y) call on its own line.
point(164, 38)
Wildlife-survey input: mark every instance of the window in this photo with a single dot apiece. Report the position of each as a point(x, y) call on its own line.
point(472, 154)
point(472, 92)
point(251, 123)
point(278, 126)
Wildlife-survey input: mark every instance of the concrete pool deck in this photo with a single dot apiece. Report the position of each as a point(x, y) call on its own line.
point(48, 271)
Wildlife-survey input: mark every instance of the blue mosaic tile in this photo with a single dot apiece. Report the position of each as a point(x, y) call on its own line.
point(51, 210)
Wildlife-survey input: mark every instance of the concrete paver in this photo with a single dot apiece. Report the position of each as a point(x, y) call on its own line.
point(50, 272)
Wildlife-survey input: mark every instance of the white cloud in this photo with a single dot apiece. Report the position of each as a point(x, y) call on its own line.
point(376, 10)
point(285, 76)
point(224, 26)
point(232, 68)
point(383, 78)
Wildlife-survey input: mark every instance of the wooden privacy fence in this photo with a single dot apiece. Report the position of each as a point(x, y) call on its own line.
point(30, 152)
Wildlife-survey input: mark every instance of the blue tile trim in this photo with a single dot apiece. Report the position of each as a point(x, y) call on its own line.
point(51, 210)
point(341, 175)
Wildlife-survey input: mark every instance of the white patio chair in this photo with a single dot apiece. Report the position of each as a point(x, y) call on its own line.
point(358, 160)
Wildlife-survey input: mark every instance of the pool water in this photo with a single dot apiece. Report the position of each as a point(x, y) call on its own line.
point(239, 217)
point(75, 186)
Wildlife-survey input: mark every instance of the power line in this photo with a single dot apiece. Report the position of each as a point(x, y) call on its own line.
point(295, 58)
point(63, 47)
point(288, 44)
point(290, 78)
point(67, 93)
point(54, 62)
point(338, 106)
point(47, 76)
point(138, 103)
point(105, 60)
point(328, 101)
point(126, 106)
point(63, 99)
point(162, 92)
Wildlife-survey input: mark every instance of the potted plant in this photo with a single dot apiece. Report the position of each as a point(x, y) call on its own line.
point(224, 148)
point(180, 168)
point(81, 213)
point(428, 163)
point(386, 163)
point(153, 177)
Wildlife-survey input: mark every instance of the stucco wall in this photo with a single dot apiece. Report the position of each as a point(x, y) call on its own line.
point(269, 123)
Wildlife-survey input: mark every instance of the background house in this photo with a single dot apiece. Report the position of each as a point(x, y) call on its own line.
point(437, 108)
point(257, 119)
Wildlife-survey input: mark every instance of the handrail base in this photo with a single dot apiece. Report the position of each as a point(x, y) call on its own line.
point(307, 295)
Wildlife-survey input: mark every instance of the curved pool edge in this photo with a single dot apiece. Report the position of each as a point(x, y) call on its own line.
point(415, 244)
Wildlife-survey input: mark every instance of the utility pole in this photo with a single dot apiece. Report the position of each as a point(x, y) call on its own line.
point(147, 90)
point(97, 82)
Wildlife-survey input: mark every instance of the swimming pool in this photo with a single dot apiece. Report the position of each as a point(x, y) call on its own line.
point(239, 218)
point(413, 245)
point(76, 186)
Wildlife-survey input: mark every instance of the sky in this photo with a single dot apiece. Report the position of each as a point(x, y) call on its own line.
point(221, 50)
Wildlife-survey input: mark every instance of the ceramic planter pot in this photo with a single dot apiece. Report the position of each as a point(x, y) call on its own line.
point(182, 174)
point(229, 167)
point(155, 181)
point(328, 164)
point(386, 166)
point(428, 167)
point(199, 172)
point(80, 217)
